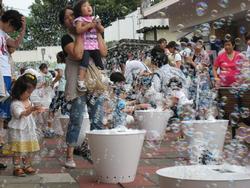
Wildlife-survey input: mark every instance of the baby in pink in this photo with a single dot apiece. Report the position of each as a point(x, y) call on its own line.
point(89, 27)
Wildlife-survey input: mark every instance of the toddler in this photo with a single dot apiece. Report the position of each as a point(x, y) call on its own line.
point(88, 26)
point(23, 138)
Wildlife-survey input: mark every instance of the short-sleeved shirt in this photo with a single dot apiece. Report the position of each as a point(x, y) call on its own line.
point(66, 39)
point(62, 81)
point(5, 66)
point(132, 68)
point(228, 68)
point(18, 122)
point(71, 70)
point(90, 37)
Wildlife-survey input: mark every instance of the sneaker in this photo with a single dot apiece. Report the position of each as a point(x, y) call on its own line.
point(81, 86)
point(70, 164)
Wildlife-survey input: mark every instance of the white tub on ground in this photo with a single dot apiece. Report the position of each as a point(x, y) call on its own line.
point(154, 122)
point(116, 154)
point(204, 176)
point(205, 135)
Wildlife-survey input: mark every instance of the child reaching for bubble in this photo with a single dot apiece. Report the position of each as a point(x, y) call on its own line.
point(88, 26)
point(123, 109)
point(22, 127)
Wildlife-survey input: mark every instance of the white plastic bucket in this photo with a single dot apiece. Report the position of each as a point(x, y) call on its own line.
point(116, 154)
point(205, 135)
point(220, 176)
point(154, 122)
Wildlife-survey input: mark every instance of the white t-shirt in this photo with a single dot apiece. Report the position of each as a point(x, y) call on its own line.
point(62, 81)
point(177, 57)
point(5, 66)
point(18, 122)
point(134, 67)
point(186, 52)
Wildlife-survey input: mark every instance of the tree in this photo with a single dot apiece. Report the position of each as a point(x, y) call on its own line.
point(43, 26)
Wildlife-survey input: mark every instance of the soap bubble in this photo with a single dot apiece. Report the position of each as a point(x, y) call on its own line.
point(248, 16)
point(228, 37)
point(201, 8)
point(243, 6)
point(180, 27)
point(237, 41)
point(212, 38)
point(242, 30)
point(214, 13)
point(223, 3)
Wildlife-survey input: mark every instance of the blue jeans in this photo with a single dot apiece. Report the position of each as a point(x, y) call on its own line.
point(5, 106)
point(75, 120)
point(96, 112)
point(77, 111)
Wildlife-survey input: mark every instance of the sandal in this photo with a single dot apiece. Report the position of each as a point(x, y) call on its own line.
point(30, 171)
point(19, 172)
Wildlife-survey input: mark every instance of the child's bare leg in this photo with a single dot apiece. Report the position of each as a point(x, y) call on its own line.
point(82, 73)
point(27, 162)
point(70, 151)
point(17, 161)
point(1, 132)
point(81, 84)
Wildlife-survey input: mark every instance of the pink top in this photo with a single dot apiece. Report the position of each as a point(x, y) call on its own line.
point(228, 68)
point(90, 37)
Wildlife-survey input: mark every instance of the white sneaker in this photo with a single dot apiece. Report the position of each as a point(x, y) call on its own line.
point(81, 86)
point(70, 164)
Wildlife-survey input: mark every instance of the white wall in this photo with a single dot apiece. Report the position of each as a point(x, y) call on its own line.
point(36, 55)
point(126, 28)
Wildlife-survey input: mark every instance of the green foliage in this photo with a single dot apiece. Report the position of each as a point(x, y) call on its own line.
point(43, 28)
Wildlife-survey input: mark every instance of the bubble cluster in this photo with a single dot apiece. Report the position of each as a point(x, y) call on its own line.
point(248, 16)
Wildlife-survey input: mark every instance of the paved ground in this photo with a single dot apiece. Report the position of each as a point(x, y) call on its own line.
point(52, 174)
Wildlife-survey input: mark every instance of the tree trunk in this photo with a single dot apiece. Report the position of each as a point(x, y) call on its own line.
point(1, 7)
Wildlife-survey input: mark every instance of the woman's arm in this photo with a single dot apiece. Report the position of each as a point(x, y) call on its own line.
point(102, 45)
point(216, 76)
point(16, 42)
point(75, 49)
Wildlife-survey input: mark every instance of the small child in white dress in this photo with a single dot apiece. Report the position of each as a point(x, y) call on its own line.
point(22, 134)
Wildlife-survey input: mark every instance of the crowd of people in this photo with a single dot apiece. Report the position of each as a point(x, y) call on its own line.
point(170, 77)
